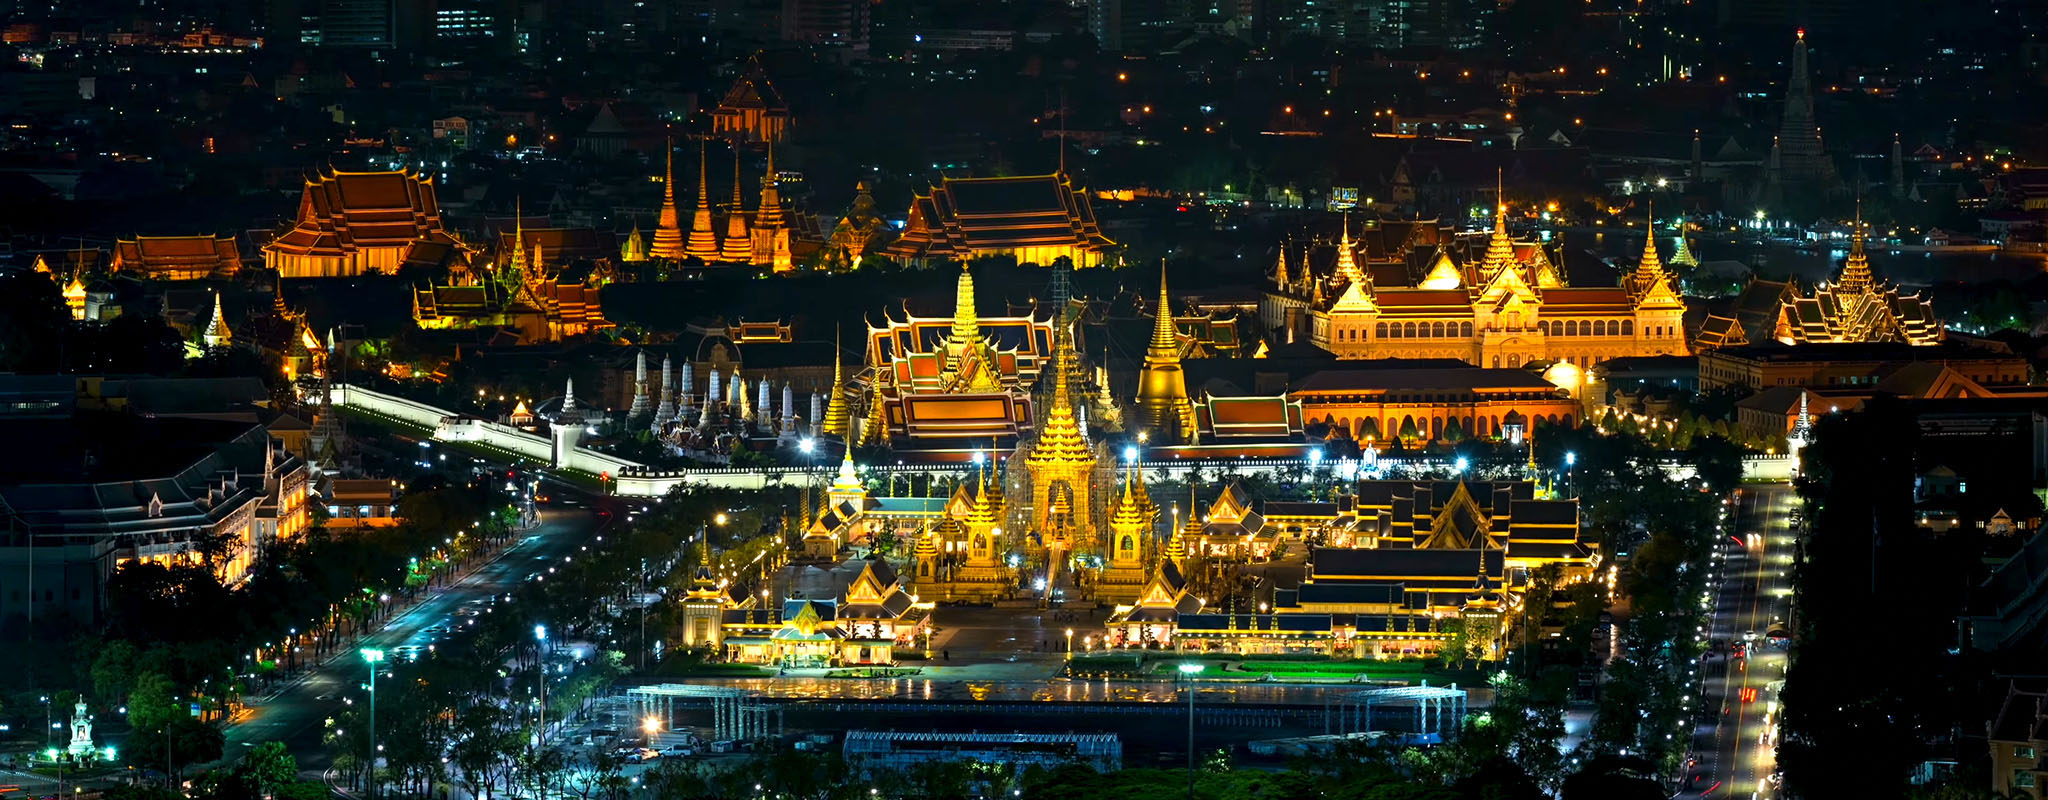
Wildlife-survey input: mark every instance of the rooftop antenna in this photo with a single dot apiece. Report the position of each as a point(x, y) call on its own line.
point(1063, 130)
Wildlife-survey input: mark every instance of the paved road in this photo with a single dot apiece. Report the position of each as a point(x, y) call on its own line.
point(296, 714)
point(1736, 748)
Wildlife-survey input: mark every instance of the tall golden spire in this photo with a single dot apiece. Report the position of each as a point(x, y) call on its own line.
point(739, 246)
point(1500, 250)
point(836, 412)
point(1061, 441)
point(770, 214)
point(966, 324)
point(1856, 276)
point(1651, 284)
point(1280, 276)
point(668, 232)
point(1347, 261)
point(703, 241)
point(1163, 404)
point(518, 266)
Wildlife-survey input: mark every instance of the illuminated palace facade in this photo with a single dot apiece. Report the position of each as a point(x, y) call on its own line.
point(1512, 306)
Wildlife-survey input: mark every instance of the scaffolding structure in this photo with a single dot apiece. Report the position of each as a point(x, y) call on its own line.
point(1355, 711)
point(736, 714)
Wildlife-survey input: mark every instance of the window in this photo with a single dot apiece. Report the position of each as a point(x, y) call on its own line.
point(2022, 779)
point(2022, 751)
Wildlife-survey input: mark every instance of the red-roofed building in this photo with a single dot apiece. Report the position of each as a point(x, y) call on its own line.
point(350, 223)
point(177, 257)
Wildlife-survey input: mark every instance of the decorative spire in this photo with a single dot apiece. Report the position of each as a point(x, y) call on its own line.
point(634, 250)
point(836, 412)
point(1347, 261)
point(1061, 440)
point(640, 398)
point(1681, 253)
point(216, 334)
point(1165, 342)
point(966, 324)
point(739, 248)
point(1500, 250)
point(1163, 402)
point(1856, 277)
point(1280, 278)
point(1652, 285)
point(770, 214)
point(518, 270)
point(703, 242)
point(666, 409)
point(668, 232)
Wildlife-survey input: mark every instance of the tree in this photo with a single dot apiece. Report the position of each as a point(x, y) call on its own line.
point(1453, 432)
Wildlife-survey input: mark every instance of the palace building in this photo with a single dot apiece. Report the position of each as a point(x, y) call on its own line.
point(177, 258)
point(1422, 404)
point(350, 223)
point(1856, 308)
point(1035, 219)
point(1405, 559)
point(1508, 308)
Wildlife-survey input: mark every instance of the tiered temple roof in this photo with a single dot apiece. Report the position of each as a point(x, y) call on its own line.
point(343, 214)
point(1857, 308)
point(1037, 218)
point(178, 257)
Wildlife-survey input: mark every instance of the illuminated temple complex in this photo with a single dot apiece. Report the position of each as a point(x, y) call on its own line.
point(1401, 560)
point(350, 223)
point(1412, 298)
point(1035, 219)
point(1857, 307)
point(539, 292)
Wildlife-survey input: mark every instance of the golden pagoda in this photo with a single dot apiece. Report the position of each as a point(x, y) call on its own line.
point(739, 248)
point(668, 231)
point(1062, 467)
point(1130, 538)
point(856, 231)
point(1163, 406)
point(836, 412)
point(703, 244)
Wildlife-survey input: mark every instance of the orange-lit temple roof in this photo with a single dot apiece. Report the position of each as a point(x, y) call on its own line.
point(961, 217)
point(343, 211)
point(181, 256)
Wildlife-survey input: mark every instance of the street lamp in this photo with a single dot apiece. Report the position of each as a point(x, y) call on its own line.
point(372, 657)
point(540, 634)
point(1070, 644)
point(1191, 670)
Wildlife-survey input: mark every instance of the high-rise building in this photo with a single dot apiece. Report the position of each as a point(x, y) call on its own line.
point(360, 24)
point(830, 23)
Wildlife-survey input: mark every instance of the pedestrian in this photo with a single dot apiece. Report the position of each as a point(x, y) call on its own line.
point(946, 654)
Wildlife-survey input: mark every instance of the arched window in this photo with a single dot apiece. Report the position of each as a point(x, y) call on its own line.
point(1571, 328)
point(1543, 327)
point(1599, 327)
point(1411, 330)
point(1380, 330)
point(1437, 330)
point(1628, 327)
point(1465, 329)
